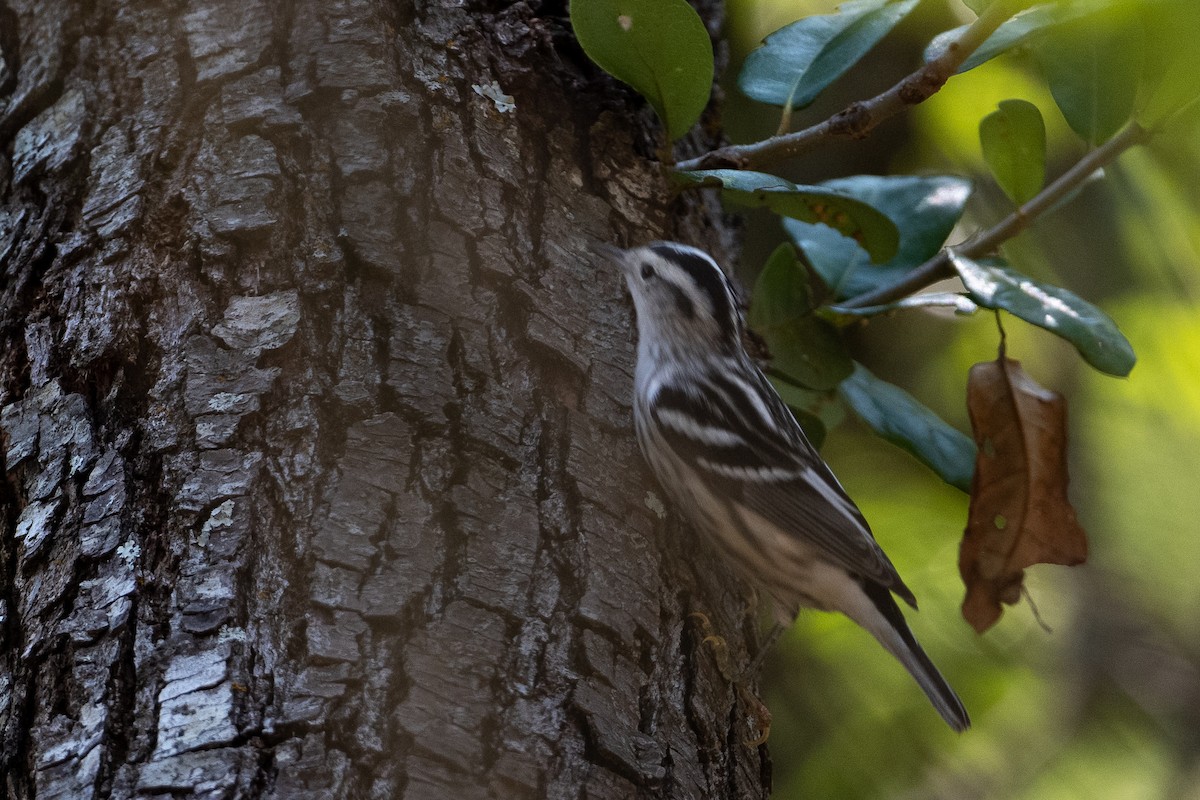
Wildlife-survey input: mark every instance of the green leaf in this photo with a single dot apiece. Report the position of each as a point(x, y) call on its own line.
point(849, 216)
point(959, 303)
point(659, 47)
point(925, 209)
point(816, 412)
point(795, 63)
point(781, 290)
point(898, 417)
point(805, 350)
point(1014, 147)
point(1063, 313)
point(1092, 66)
point(1170, 81)
point(1022, 29)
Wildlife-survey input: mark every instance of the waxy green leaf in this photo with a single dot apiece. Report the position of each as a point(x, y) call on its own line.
point(900, 418)
point(1059, 311)
point(816, 412)
point(795, 63)
point(958, 303)
point(659, 47)
point(1169, 82)
point(839, 211)
point(805, 349)
point(924, 209)
point(1024, 28)
point(781, 291)
point(1093, 66)
point(1013, 139)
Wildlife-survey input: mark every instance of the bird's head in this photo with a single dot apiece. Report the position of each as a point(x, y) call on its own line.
point(682, 298)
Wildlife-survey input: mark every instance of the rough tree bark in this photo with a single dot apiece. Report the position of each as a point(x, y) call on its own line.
point(319, 478)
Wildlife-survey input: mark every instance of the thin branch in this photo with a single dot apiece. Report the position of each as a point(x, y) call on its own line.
point(858, 119)
point(984, 242)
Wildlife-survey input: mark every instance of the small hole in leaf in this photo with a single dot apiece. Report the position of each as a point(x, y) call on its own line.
point(1000, 522)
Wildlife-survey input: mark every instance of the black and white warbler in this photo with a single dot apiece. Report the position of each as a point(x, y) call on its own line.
point(730, 454)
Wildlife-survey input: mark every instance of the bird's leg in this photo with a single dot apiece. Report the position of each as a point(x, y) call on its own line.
point(760, 715)
point(772, 636)
point(720, 648)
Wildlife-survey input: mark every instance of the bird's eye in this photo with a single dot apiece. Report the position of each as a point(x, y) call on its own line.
point(647, 272)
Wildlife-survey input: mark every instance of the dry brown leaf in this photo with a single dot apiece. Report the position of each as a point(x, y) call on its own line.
point(1019, 515)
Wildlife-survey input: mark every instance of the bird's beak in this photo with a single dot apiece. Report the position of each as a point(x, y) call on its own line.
point(607, 251)
point(614, 254)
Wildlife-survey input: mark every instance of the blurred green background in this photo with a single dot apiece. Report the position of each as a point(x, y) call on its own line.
point(1107, 705)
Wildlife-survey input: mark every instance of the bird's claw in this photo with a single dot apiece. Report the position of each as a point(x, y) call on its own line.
point(760, 716)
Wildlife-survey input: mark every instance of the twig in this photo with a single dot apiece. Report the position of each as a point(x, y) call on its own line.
point(858, 119)
point(939, 267)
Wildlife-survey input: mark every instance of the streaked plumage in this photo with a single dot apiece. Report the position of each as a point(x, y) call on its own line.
point(732, 457)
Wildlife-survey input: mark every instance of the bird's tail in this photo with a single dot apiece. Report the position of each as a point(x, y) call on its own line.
point(888, 626)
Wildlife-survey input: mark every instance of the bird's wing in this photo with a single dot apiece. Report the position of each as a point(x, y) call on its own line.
point(743, 442)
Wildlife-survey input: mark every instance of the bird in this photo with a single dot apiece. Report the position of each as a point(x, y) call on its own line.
point(730, 455)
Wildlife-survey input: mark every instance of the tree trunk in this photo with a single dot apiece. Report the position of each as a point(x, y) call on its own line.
point(320, 480)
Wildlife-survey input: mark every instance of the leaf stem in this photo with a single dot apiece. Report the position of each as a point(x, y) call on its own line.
point(939, 267)
point(858, 119)
point(1002, 348)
